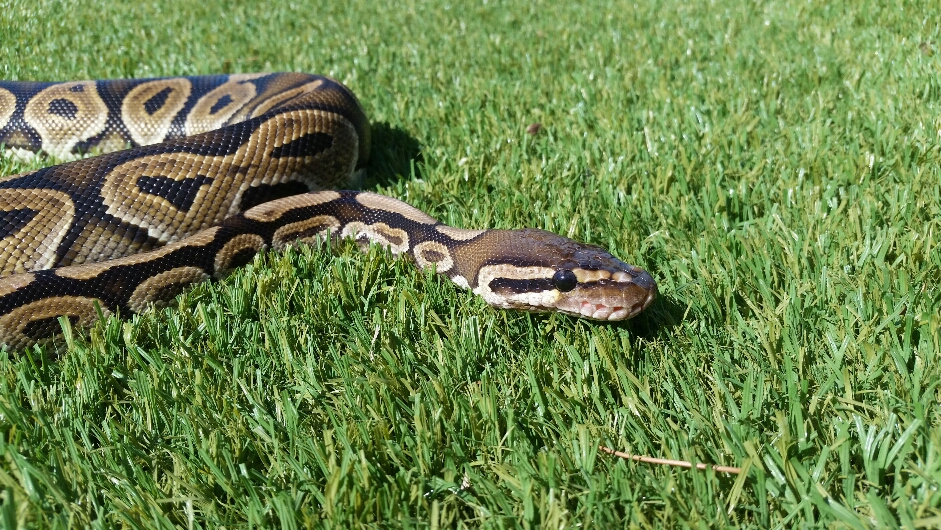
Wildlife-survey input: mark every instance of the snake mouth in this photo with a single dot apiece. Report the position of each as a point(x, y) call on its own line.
point(596, 311)
point(639, 294)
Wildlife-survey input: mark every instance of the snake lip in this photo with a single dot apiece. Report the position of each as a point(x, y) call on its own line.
point(619, 313)
point(596, 311)
point(651, 296)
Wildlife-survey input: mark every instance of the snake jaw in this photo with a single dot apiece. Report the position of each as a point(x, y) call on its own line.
point(603, 301)
point(610, 300)
point(608, 289)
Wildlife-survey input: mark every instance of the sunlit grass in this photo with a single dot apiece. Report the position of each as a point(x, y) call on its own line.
point(776, 167)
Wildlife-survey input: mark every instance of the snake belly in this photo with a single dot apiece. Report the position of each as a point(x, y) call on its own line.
point(214, 169)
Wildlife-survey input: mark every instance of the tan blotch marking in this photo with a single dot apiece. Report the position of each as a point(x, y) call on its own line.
point(159, 289)
point(149, 128)
point(460, 281)
point(395, 236)
point(273, 210)
point(352, 230)
point(14, 283)
point(87, 271)
point(621, 276)
point(34, 245)
point(14, 323)
point(388, 204)
point(223, 262)
point(99, 242)
point(200, 118)
point(306, 230)
point(277, 99)
point(163, 220)
point(326, 170)
point(7, 106)
point(199, 239)
point(231, 175)
point(395, 239)
point(540, 299)
point(60, 133)
point(587, 276)
point(432, 252)
point(458, 234)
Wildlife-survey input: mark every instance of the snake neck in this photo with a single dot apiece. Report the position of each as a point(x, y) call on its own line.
point(526, 269)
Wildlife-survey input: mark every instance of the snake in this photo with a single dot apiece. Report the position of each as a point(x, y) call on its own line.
point(180, 180)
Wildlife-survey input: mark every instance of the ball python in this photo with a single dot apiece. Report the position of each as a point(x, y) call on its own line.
point(201, 173)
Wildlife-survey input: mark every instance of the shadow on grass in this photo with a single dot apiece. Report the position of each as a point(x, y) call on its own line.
point(393, 154)
point(665, 313)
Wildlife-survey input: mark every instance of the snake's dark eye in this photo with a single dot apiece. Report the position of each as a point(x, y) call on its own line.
point(564, 280)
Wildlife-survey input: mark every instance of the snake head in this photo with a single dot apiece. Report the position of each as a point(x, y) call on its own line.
point(535, 270)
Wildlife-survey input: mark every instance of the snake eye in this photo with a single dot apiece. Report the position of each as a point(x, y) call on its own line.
point(564, 280)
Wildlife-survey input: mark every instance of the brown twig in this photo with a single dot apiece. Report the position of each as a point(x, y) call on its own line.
point(665, 462)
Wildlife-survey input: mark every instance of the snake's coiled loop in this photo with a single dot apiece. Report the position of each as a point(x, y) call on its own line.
point(220, 168)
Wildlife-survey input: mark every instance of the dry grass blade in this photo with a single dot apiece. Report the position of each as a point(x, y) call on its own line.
point(668, 462)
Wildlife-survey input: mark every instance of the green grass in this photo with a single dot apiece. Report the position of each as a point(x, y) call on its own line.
point(775, 165)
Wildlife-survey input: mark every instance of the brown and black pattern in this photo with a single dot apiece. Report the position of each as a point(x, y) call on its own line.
point(315, 136)
point(228, 174)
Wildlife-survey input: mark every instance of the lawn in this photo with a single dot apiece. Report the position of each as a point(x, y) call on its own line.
point(775, 165)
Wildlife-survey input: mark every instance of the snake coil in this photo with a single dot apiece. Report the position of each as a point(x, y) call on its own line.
point(220, 168)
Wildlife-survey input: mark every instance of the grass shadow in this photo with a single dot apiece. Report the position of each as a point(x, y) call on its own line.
point(665, 313)
point(393, 154)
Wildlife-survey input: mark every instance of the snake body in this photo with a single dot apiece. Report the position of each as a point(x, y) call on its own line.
point(220, 168)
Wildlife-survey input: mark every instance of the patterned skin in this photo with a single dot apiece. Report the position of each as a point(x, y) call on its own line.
point(233, 169)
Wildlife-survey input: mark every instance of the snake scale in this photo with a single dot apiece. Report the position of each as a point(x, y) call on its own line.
point(201, 173)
